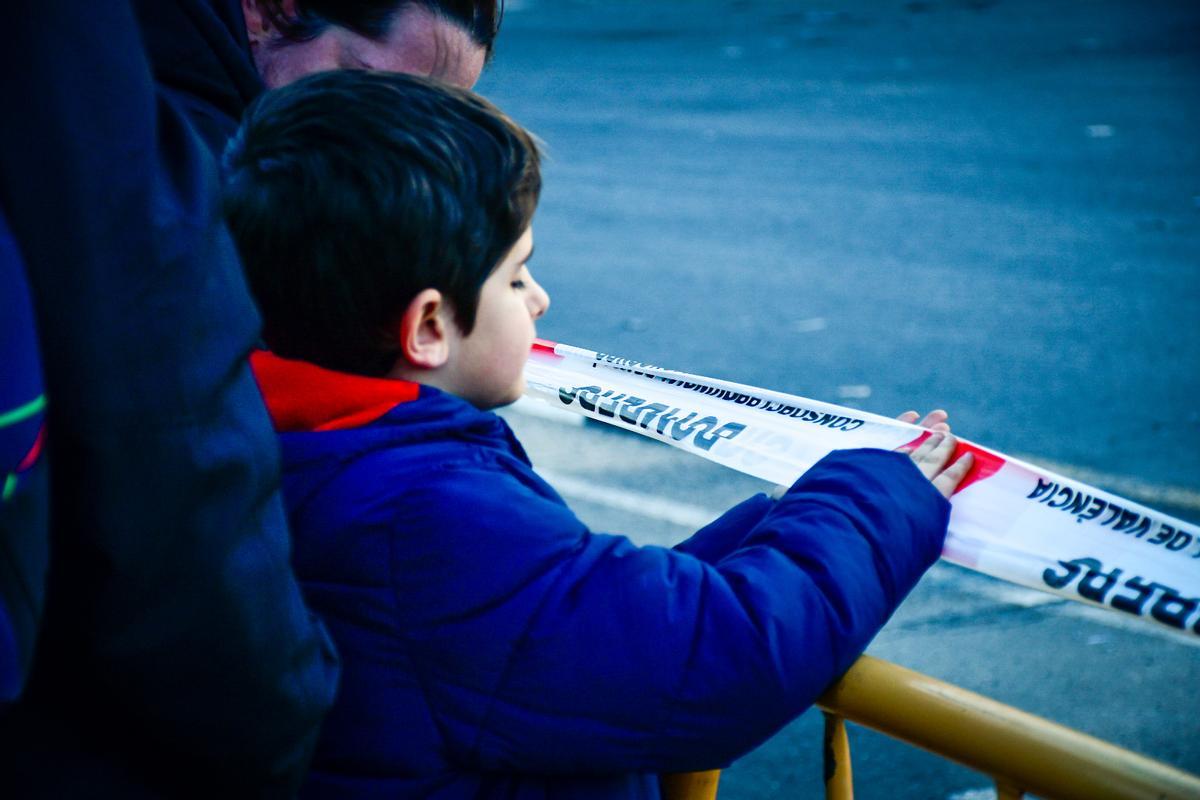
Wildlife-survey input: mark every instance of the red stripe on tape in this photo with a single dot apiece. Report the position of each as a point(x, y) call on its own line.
point(545, 346)
point(986, 464)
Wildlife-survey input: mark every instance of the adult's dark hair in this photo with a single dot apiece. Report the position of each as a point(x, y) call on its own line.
point(349, 192)
point(373, 18)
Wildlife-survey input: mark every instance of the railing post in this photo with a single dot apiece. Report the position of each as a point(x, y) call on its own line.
point(839, 778)
point(690, 785)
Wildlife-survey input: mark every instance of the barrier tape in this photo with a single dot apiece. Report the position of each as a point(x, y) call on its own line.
point(1010, 519)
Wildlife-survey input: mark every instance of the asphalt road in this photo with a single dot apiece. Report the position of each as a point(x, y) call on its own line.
point(993, 207)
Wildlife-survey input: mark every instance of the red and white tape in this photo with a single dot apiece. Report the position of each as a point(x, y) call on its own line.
point(1010, 519)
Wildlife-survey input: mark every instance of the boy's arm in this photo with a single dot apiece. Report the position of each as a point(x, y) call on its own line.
point(175, 611)
point(717, 539)
point(720, 537)
point(618, 658)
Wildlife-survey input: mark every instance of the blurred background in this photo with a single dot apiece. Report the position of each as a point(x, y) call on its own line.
point(991, 206)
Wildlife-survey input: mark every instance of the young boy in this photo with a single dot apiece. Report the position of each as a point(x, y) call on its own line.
point(493, 646)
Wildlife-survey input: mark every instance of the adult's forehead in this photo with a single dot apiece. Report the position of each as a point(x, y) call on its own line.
point(424, 43)
point(481, 18)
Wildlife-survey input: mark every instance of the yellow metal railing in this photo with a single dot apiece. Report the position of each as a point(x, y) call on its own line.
point(1021, 752)
point(690, 785)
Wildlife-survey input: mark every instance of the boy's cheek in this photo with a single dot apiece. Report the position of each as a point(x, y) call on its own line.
point(516, 388)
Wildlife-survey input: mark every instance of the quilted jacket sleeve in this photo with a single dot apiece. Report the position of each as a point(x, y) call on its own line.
point(614, 657)
point(721, 536)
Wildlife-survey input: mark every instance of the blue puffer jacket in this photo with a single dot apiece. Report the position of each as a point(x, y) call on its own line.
point(493, 646)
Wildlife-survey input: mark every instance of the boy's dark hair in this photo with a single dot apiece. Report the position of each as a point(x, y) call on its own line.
point(349, 192)
point(373, 18)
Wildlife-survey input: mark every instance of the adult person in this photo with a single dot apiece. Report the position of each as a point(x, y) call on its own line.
point(214, 56)
point(23, 479)
point(175, 656)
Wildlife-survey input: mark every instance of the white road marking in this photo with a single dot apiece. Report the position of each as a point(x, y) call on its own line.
point(1023, 597)
point(1124, 622)
point(533, 407)
point(645, 505)
point(984, 793)
point(854, 391)
point(810, 325)
point(1020, 596)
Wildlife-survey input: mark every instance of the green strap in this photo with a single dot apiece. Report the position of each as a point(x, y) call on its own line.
point(22, 413)
point(10, 486)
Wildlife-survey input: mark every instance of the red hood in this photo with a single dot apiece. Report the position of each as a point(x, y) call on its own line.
point(304, 397)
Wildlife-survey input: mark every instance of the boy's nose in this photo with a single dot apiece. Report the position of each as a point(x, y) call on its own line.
point(539, 301)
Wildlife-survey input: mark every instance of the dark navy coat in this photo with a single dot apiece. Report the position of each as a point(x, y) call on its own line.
point(175, 656)
point(201, 59)
point(23, 480)
point(493, 646)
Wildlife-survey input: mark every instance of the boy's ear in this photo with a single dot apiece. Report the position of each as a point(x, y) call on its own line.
point(423, 330)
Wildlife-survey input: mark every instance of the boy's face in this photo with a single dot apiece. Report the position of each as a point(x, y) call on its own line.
point(488, 365)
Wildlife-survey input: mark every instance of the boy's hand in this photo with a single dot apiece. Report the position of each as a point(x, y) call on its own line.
point(935, 420)
point(931, 457)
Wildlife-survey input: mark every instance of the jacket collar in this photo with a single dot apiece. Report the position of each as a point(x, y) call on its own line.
point(304, 397)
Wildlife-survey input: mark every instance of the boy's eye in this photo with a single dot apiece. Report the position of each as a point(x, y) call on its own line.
point(518, 284)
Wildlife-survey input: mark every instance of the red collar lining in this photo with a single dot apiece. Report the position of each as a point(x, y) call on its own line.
point(304, 397)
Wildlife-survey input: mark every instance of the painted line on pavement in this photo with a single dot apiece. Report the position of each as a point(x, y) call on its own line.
point(1006, 594)
point(1121, 621)
point(540, 409)
point(645, 505)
